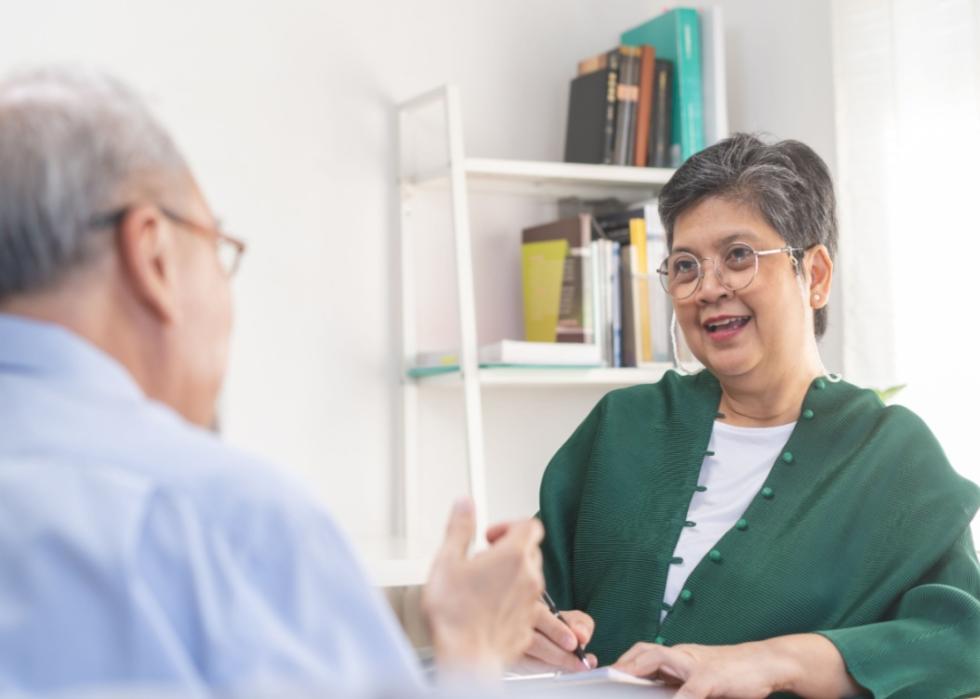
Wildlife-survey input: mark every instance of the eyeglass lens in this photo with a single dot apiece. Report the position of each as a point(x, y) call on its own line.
point(681, 272)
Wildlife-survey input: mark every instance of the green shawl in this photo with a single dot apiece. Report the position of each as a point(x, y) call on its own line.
point(860, 533)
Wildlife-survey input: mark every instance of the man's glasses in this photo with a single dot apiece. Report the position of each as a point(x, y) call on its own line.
point(229, 248)
point(682, 273)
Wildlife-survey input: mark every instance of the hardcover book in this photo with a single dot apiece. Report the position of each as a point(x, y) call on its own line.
point(676, 35)
point(571, 323)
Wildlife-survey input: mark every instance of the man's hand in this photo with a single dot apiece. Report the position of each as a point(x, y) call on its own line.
point(481, 609)
point(554, 643)
point(804, 664)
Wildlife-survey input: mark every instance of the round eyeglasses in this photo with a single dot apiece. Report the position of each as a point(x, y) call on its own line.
point(682, 272)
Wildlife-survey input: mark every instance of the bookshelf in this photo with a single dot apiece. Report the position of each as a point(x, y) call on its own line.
point(432, 160)
point(517, 377)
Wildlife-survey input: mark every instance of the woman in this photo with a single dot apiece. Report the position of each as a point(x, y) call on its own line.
point(760, 526)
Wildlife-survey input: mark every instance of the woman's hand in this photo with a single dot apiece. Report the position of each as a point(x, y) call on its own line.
point(806, 664)
point(554, 642)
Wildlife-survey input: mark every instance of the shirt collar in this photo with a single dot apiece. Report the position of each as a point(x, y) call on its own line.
point(48, 350)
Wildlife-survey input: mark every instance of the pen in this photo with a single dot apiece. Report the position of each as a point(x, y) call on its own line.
point(553, 608)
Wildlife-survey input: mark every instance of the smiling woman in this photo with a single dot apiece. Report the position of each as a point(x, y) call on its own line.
point(762, 526)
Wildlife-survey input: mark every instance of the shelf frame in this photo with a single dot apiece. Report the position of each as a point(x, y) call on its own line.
point(462, 175)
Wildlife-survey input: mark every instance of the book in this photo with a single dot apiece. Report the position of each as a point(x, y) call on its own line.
point(542, 269)
point(512, 353)
point(644, 105)
point(676, 35)
point(591, 128)
point(627, 93)
point(607, 297)
point(713, 74)
point(600, 319)
point(641, 287)
point(661, 307)
point(658, 146)
point(571, 324)
point(615, 304)
point(616, 225)
point(630, 320)
point(585, 138)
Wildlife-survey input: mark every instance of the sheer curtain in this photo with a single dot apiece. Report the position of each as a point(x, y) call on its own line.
point(907, 84)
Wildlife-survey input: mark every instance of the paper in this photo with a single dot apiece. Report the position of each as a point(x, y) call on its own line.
point(602, 683)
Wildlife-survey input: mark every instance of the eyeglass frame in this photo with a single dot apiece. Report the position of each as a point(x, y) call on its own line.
point(663, 272)
point(114, 218)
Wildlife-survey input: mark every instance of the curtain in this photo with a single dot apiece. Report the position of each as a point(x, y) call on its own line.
point(907, 91)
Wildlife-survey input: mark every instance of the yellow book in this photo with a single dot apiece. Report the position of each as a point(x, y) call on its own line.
point(542, 269)
point(641, 287)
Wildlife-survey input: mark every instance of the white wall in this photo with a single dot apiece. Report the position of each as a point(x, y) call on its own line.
point(284, 110)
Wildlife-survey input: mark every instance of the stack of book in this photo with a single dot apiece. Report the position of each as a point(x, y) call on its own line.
point(654, 100)
point(592, 278)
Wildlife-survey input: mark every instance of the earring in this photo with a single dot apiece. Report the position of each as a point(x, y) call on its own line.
point(816, 297)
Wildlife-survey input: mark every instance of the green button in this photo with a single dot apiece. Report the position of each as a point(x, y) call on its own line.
point(659, 640)
point(807, 414)
point(715, 555)
point(701, 488)
point(767, 492)
point(742, 525)
point(788, 457)
point(820, 384)
point(686, 595)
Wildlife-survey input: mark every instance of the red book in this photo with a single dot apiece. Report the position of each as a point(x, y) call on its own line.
point(644, 105)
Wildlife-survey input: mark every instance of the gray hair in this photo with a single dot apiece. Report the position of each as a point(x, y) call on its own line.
point(786, 182)
point(74, 145)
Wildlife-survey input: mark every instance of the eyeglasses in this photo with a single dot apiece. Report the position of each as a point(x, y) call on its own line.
point(682, 273)
point(229, 248)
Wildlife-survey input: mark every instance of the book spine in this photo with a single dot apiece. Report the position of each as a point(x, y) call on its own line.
point(688, 90)
point(615, 306)
point(638, 241)
point(661, 307)
point(585, 261)
point(596, 267)
point(643, 105)
point(660, 123)
point(626, 97)
point(627, 286)
point(609, 129)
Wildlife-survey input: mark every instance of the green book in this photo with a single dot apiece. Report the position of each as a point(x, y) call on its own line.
point(676, 36)
point(542, 270)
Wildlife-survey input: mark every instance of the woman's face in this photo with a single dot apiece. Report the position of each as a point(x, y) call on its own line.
point(762, 330)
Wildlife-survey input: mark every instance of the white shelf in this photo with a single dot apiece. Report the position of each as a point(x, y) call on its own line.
point(550, 179)
point(531, 377)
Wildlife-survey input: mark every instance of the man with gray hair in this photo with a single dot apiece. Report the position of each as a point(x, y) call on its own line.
point(135, 548)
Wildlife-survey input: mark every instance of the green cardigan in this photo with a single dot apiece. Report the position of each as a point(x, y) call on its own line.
point(861, 533)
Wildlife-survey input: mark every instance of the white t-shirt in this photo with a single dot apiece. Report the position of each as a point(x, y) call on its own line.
point(732, 476)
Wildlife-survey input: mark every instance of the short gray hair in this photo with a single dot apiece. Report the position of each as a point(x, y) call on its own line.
point(74, 145)
point(786, 182)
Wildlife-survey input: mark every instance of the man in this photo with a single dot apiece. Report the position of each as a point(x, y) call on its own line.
point(135, 548)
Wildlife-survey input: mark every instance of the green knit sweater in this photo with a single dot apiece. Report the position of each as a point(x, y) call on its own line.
point(861, 533)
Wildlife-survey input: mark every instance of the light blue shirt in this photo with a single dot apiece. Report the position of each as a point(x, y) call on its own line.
point(138, 550)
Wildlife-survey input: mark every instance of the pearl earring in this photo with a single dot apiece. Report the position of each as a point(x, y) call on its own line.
point(816, 297)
